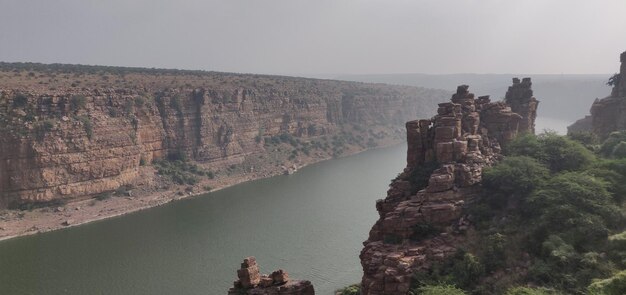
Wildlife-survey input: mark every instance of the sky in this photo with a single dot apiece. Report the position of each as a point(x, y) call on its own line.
point(308, 37)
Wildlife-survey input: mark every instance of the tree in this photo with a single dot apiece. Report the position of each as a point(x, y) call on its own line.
point(614, 80)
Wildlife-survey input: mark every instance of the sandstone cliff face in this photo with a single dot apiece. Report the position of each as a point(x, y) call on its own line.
point(423, 223)
point(62, 142)
point(607, 114)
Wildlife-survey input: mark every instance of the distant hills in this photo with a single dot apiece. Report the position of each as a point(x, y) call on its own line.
point(563, 97)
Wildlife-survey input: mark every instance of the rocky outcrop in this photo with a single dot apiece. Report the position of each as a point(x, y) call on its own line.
point(422, 218)
point(582, 125)
point(520, 98)
point(607, 114)
point(251, 282)
point(66, 142)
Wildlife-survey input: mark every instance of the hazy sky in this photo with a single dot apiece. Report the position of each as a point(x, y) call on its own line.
point(321, 36)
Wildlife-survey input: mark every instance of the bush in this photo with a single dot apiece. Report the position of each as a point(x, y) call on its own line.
point(615, 285)
point(423, 231)
point(588, 139)
point(619, 151)
point(439, 290)
point(350, 290)
point(44, 127)
point(87, 125)
point(615, 138)
point(559, 153)
point(514, 176)
point(78, 102)
point(140, 101)
point(20, 100)
point(530, 291)
point(575, 205)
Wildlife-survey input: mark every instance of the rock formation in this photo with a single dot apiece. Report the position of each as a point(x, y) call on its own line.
point(65, 143)
point(251, 282)
point(422, 217)
point(520, 98)
point(607, 114)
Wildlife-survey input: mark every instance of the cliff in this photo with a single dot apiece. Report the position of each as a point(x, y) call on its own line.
point(607, 114)
point(422, 219)
point(73, 132)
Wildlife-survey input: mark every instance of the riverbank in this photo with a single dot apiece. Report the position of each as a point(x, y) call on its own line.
point(152, 190)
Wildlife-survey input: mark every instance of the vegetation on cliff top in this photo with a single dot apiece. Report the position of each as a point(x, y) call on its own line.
point(551, 215)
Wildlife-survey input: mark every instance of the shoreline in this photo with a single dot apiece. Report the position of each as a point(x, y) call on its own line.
point(16, 223)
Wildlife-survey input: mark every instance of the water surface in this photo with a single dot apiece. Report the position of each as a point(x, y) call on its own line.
point(311, 224)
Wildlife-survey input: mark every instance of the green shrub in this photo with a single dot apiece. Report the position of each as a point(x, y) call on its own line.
point(608, 146)
point(78, 102)
point(129, 107)
point(615, 285)
point(515, 176)
point(350, 290)
point(530, 291)
point(43, 127)
point(619, 151)
point(87, 125)
point(140, 101)
point(575, 205)
point(439, 290)
point(103, 196)
point(494, 255)
point(588, 139)
point(559, 153)
point(20, 100)
point(423, 231)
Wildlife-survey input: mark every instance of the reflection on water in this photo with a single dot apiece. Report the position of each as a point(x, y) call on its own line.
point(311, 224)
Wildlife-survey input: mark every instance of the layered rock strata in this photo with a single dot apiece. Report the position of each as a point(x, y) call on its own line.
point(251, 281)
point(61, 142)
point(607, 114)
point(423, 223)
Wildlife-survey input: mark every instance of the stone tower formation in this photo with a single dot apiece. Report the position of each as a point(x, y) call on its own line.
point(609, 114)
point(250, 281)
point(421, 225)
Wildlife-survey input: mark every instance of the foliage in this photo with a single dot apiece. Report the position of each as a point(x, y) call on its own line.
point(439, 290)
point(462, 269)
point(559, 153)
point(78, 102)
point(43, 127)
point(20, 100)
point(615, 285)
point(614, 80)
point(610, 144)
point(181, 171)
point(576, 206)
point(87, 125)
point(423, 231)
point(564, 216)
point(530, 291)
point(588, 139)
point(350, 290)
point(514, 176)
point(419, 176)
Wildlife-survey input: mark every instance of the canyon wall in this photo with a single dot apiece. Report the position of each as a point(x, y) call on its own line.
point(607, 114)
point(71, 134)
point(422, 219)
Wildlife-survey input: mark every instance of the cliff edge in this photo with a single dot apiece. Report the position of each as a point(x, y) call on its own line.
point(607, 114)
point(422, 219)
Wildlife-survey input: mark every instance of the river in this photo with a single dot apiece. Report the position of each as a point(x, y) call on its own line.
point(311, 224)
